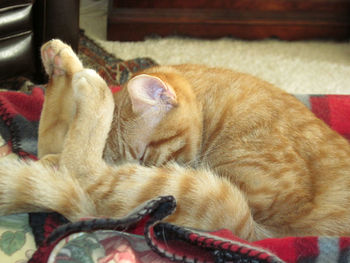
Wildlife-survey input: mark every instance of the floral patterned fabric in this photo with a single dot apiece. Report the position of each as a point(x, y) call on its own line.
point(104, 247)
point(16, 240)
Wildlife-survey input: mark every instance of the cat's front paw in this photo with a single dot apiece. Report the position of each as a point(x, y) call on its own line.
point(59, 59)
point(88, 84)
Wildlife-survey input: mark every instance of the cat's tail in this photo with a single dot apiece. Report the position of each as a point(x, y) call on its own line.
point(28, 186)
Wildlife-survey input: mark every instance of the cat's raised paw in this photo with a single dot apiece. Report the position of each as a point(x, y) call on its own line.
point(91, 90)
point(87, 83)
point(59, 59)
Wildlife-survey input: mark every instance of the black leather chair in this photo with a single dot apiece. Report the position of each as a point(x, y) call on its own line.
point(25, 25)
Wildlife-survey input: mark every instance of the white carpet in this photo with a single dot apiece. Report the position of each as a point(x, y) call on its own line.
point(315, 67)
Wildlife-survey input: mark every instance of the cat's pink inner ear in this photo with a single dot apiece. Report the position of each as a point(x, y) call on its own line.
point(148, 92)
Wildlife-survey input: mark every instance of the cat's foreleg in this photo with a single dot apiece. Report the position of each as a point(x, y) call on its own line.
point(60, 63)
point(86, 137)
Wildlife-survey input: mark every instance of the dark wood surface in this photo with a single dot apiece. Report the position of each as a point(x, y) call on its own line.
point(276, 5)
point(130, 20)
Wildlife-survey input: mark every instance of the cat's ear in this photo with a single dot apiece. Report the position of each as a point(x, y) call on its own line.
point(149, 92)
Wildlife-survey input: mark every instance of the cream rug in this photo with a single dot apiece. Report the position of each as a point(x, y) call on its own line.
point(315, 67)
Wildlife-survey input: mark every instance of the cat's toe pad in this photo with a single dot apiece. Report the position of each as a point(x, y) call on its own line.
point(52, 62)
point(58, 58)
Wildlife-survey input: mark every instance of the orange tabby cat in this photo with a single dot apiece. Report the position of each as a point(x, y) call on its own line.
point(233, 150)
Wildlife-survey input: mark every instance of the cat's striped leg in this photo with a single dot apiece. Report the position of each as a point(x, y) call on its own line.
point(88, 131)
point(60, 63)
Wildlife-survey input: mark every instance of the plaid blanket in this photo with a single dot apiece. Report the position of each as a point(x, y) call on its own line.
point(19, 115)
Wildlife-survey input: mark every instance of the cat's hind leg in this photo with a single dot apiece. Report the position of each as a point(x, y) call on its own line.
point(60, 63)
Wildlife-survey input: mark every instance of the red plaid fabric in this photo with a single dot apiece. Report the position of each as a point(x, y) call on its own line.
point(334, 110)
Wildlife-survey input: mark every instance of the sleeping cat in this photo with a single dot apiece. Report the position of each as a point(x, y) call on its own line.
point(235, 152)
